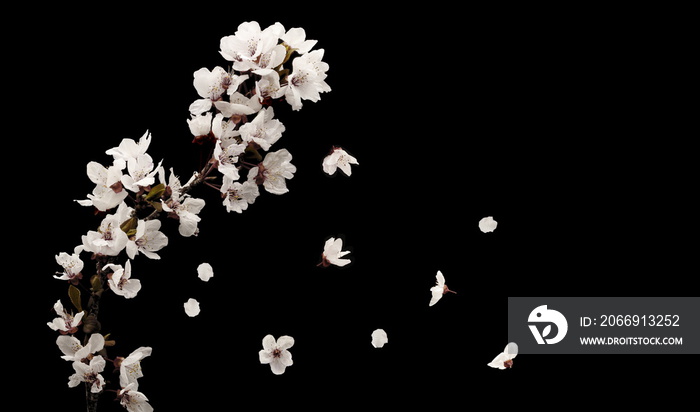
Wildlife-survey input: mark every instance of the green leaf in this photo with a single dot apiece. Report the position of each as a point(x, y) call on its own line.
point(129, 226)
point(156, 192)
point(157, 206)
point(96, 283)
point(74, 295)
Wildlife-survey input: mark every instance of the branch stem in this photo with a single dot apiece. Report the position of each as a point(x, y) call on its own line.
point(92, 399)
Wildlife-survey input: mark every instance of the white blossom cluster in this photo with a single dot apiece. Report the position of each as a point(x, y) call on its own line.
point(235, 106)
point(133, 171)
point(89, 361)
point(121, 232)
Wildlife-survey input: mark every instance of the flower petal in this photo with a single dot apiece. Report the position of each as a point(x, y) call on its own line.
point(69, 345)
point(437, 292)
point(269, 343)
point(205, 271)
point(379, 338)
point(277, 366)
point(265, 356)
point(285, 342)
point(192, 307)
point(286, 358)
point(497, 362)
point(487, 224)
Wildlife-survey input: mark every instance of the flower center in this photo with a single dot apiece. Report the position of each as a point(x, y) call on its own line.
point(233, 195)
point(299, 79)
point(276, 353)
point(91, 377)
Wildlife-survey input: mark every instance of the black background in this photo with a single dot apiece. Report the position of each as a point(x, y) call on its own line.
point(561, 124)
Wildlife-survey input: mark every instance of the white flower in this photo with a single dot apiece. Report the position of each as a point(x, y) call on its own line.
point(187, 212)
point(74, 351)
point(332, 253)
point(307, 79)
point(133, 400)
point(224, 129)
point(129, 149)
point(275, 352)
point(273, 171)
point(130, 367)
point(192, 307)
point(505, 359)
point(109, 239)
point(268, 87)
point(173, 182)
point(237, 196)
point(89, 373)
point(109, 191)
point(263, 130)
point(66, 323)
point(210, 85)
point(141, 172)
point(295, 38)
point(226, 153)
point(487, 224)
point(338, 158)
point(120, 280)
point(183, 208)
point(148, 239)
point(238, 105)
point(439, 289)
point(267, 62)
point(248, 43)
point(200, 126)
point(205, 271)
point(379, 338)
point(72, 265)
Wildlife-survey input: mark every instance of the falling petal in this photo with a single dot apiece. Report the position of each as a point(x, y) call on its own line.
point(205, 272)
point(487, 224)
point(379, 338)
point(192, 307)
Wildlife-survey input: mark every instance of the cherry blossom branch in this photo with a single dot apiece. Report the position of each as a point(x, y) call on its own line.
point(234, 118)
